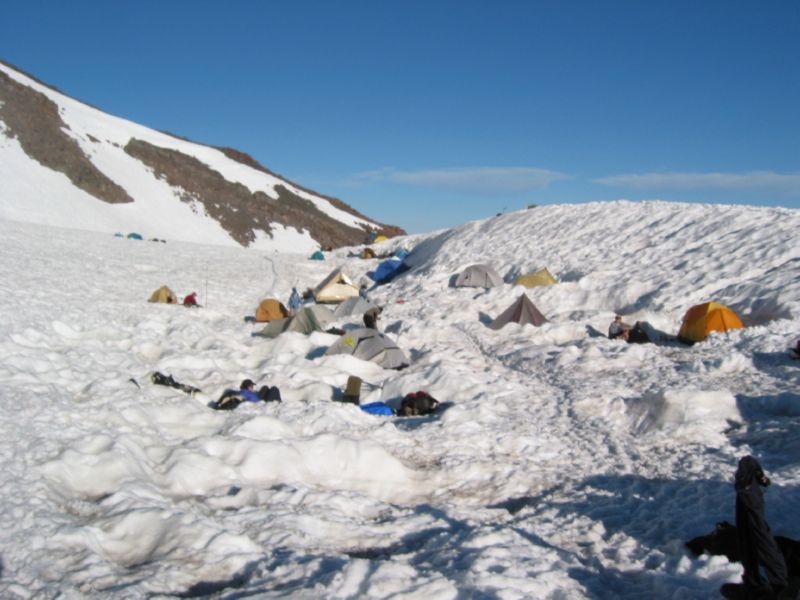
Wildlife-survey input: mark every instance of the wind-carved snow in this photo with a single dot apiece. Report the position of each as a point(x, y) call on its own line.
point(565, 464)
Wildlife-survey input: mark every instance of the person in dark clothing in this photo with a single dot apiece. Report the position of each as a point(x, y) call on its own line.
point(230, 399)
point(371, 317)
point(756, 545)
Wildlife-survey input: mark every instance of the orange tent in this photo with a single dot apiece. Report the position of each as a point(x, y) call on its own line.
point(702, 319)
point(270, 310)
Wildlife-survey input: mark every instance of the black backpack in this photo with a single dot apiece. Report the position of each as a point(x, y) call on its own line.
point(418, 404)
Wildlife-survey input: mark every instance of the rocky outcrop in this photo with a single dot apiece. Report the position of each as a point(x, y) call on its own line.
point(33, 119)
point(240, 211)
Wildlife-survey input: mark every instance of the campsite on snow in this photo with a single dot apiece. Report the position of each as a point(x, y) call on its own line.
point(558, 463)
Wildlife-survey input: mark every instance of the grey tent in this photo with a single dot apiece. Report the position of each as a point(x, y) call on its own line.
point(523, 311)
point(353, 306)
point(307, 320)
point(479, 276)
point(369, 344)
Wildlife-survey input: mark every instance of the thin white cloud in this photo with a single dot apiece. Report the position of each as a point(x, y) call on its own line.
point(476, 180)
point(763, 181)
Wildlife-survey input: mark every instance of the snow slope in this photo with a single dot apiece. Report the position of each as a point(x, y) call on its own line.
point(567, 465)
point(36, 194)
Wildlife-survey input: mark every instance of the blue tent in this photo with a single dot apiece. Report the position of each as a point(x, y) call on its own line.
point(387, 270)
point(134, 236)
point(318, 255)
point(401, 253)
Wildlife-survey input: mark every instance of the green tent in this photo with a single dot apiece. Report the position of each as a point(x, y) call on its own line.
point(318, 255)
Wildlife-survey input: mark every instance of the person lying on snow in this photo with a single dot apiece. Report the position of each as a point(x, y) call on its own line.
point(230, 399)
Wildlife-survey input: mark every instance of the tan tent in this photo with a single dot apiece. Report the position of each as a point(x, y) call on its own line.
point(368, 253)
point(270, 310)
point(543, 277)
point(307, 320)
point(336, 287)
point(165, 295)
point(479, 276)
point(523, 312)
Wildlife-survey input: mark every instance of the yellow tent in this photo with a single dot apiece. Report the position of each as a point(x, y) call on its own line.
point(543, 277)
point(165, 295)
point(269, 310)
point(380, 238)
point(702, 319)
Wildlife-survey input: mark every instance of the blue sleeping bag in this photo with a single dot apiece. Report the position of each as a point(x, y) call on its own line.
point(377, 408)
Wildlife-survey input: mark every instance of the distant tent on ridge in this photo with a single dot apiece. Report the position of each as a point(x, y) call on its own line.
point(318, 255)
point(371, 345)
point(336, 287)
point(270, 309)
point(523, 312)
point(134, 236)
point(165, 295)
point(542, 277)
point(380, 238)
point(478, 276)
point(701, 320)
point(307, 320)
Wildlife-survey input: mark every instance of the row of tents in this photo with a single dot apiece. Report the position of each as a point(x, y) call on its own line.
point(698, 322)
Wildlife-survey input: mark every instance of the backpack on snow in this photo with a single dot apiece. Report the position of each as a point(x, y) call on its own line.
point(417, 404)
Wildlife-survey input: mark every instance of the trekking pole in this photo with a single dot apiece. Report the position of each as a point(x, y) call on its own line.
point(206, 292)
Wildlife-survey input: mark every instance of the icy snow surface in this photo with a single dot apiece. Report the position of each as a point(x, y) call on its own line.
point(566, 465)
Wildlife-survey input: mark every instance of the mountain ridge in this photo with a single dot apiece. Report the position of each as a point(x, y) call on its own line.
point(249, 204)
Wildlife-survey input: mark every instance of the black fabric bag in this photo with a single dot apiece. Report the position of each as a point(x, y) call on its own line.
point(418, 404)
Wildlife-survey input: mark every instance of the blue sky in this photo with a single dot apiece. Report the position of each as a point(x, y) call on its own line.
point(427, 114)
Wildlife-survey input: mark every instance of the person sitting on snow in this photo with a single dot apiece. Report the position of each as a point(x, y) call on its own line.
point(362, 291)
point(618, 329)
point(371, 317)
point(191, 300)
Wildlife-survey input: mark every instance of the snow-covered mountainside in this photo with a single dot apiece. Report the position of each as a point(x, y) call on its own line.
point(67, 164)
point(565, 464)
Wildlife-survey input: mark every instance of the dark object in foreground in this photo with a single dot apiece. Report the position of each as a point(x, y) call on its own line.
point(231, 399)
point(757, 547)
point(167, 380)
point(722, 542)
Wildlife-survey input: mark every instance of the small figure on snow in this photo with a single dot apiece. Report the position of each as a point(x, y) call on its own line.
point(362, 291)
point(618, 329)
point(230, 399)
point(191, 300)
point(295, 302)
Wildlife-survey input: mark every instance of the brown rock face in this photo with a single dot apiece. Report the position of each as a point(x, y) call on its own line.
point(240, 211)
point(33, 119)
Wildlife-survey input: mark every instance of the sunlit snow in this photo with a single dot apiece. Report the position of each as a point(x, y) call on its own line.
point(566, 465)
